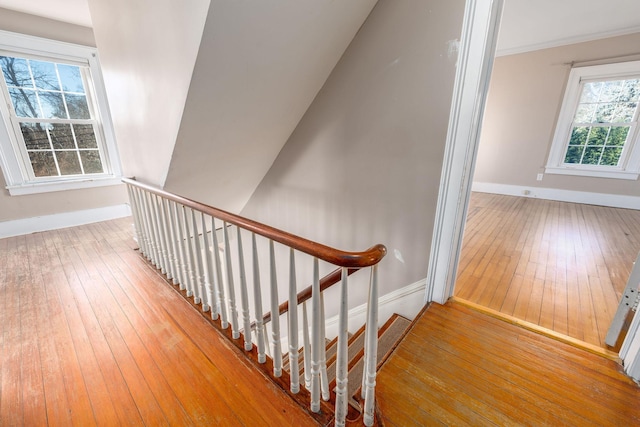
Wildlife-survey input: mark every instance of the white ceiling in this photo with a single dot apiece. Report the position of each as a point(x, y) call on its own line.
point(72, 11)
point(529, 25)
point(526, 24)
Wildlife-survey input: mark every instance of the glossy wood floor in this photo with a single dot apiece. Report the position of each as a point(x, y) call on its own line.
point(559, 265)
point(89, 335)
point(460, 367)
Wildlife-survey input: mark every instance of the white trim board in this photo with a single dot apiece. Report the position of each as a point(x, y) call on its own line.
point(19, 227)
point(475, 62)
point(588, 198)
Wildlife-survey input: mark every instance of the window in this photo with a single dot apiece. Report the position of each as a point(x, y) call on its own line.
point(57, 133)
point(597, 132)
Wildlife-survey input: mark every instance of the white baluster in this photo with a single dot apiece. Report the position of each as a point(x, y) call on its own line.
point(197, 251)
point(209, 278)
point(324, 380)
point(200, 273)
point(316, 341)
point(188, 250)
point(292, 316)
point(153, 239)
point(371, 331)
point(307, 347)
point(134, 213)
point(342, 355)
point(222, 309)
point(143, 240)
point(160, 234)
point(276, 350)
point(180, 239)
point(171, 241)
point(231, 292)
point(257, 300)
point(244, 297)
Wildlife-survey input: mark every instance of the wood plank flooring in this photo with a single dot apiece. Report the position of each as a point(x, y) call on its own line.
point(90, 335)
point(457, 366)
point(562, 266)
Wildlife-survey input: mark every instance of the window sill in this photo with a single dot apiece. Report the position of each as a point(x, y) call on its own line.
point(50, 186)
point(628, 175)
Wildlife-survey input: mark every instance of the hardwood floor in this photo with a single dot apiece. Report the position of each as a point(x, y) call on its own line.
point(89, 335)
point(562, 266)
point(457, 366)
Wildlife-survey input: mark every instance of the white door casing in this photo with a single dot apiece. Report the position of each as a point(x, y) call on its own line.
point(475, 61)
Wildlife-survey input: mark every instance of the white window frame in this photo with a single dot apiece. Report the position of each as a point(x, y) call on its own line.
point(629, 166)
point(18, 178)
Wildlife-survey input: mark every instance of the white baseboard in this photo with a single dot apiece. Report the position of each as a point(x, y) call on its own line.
point(19, 227)
point(406, 301)
point(600, 199)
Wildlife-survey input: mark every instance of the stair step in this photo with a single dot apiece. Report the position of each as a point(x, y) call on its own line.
point(388, 337)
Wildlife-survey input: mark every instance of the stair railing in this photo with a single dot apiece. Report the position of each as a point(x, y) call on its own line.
point(189, 242)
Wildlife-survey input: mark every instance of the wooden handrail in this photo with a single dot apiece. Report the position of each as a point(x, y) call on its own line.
point(354, 260)
point(325, 283)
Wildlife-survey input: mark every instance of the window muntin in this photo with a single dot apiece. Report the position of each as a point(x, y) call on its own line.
point(60, 125)
point(596, 134)
point(605, 112)
point(51, 114)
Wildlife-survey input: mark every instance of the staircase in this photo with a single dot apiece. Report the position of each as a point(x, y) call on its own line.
point(389, 335)
point(229, 267)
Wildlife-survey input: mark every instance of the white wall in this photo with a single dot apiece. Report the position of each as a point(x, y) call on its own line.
point(147, 51)
point(38, 205)
point(363, 165)
point(259, 67)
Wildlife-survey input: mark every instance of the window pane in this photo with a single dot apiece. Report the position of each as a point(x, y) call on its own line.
point(624, 112)
point(598, 135)
point(630, 91)
point(610, 90)
point(25, 102)
point(604, 112)
point(52, 105)
point(618, 136)
point(43, 163)
point(85, 136)
point(579, 136)
point(611, 156)
point(585, 113)
point(68, 162)
point(71, 79)
point(91, 161)
point(16, 72)
point(44, 75)
point(61, 136)
point(591, 92)
point(574, 155)
point(78, 108)
point(35, 136)
point(591, 155)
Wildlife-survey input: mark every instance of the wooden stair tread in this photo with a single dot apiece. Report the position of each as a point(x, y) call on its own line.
point(388, 337)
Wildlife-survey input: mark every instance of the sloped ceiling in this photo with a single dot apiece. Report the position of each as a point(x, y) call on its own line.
point(259, 67)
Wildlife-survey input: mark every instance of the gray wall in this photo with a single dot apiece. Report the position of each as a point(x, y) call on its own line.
point(523, 103)
point(29, 206)
point(363, 165)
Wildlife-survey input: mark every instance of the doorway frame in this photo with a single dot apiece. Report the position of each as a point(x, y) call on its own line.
point(475, 61)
